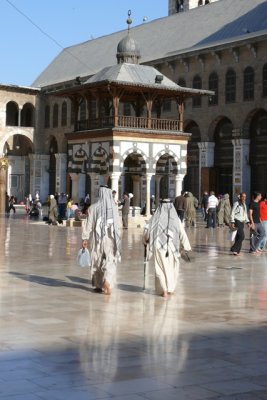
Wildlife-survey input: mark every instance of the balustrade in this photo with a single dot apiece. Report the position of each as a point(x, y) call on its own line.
point(131, 122)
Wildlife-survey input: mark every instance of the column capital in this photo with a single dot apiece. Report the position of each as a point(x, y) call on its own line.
point(149, 175)
point(74, 176)
point(240, 142)
point(206, 145)
point(3, 162)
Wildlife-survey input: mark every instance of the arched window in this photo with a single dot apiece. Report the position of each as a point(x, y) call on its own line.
point(197, 84)
point(230, 86)
point(264, 80)
point(55, 115)
point(64, 113)
point(214, 86)
point(248, 89)
point(12, 114)
point(47, 117)
point(27, 115)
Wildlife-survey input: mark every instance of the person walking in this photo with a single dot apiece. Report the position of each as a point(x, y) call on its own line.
point(224, 211)
point(257, 230)
point(101, 236)
point(263, 218)
point(239, 217)
point(62, 205)
point(191, 204)
point(164, 236)
point(52, 214)
point(179, 205)
point(204, 204)
point(211, 210)
point(12, 202)
point(125, 209)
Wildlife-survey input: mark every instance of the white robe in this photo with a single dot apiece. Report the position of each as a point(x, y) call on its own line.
point(167, 267)
point(102, 249)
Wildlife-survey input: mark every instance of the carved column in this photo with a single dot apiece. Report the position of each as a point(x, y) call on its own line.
point(3, 189)
point(178, 184)
point(114, 177)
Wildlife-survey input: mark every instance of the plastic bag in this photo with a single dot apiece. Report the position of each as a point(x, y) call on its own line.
point(231, 235)
point(83, 258)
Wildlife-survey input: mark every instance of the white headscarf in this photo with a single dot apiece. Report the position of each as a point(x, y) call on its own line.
point(164, 229)
point(106, 216)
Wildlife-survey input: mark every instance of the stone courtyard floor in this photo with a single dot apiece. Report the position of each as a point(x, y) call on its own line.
point(60, 340)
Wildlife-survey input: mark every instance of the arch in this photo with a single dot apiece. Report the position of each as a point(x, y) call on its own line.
point(214, 86)
point(132, 150)
point(12, 113)
point(55, 115)
point(64, 113)
point(134, 170)
point(166, 169)
point(17, 149)
point(248, 84)
point(9, 135)
point(264, 80)
point(230, 86)
point(27, 115)
point(258, 150)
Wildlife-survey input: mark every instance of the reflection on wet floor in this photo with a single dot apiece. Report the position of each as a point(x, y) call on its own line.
point(60, 340)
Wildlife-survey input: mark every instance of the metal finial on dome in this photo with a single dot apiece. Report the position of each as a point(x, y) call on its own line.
point(129, 20)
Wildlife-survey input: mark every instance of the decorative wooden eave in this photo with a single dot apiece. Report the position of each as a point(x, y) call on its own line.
point(131, 90)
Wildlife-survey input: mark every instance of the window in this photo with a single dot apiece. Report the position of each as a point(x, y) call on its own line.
point(64, 113)
point(12, 114)
point(214, 86)
point(264, 81)
point(55, 115)
point(27, 115)
point(248, 89)
point(230, 86)
point(197, 84)
point(167, 106)
point(47, 116)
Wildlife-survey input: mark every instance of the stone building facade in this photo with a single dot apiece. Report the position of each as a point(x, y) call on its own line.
point(220, 46)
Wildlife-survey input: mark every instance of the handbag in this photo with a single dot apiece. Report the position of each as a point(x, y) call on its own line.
point(231, 235)
point(84, 258)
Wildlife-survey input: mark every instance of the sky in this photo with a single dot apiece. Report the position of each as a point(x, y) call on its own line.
point(26, 51)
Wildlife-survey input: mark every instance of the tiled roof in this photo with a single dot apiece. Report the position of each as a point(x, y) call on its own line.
point(202, 27)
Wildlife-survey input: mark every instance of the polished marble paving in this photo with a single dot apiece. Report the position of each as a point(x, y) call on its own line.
point(60, 340)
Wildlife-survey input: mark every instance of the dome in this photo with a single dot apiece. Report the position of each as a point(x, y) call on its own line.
point(128, 51)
